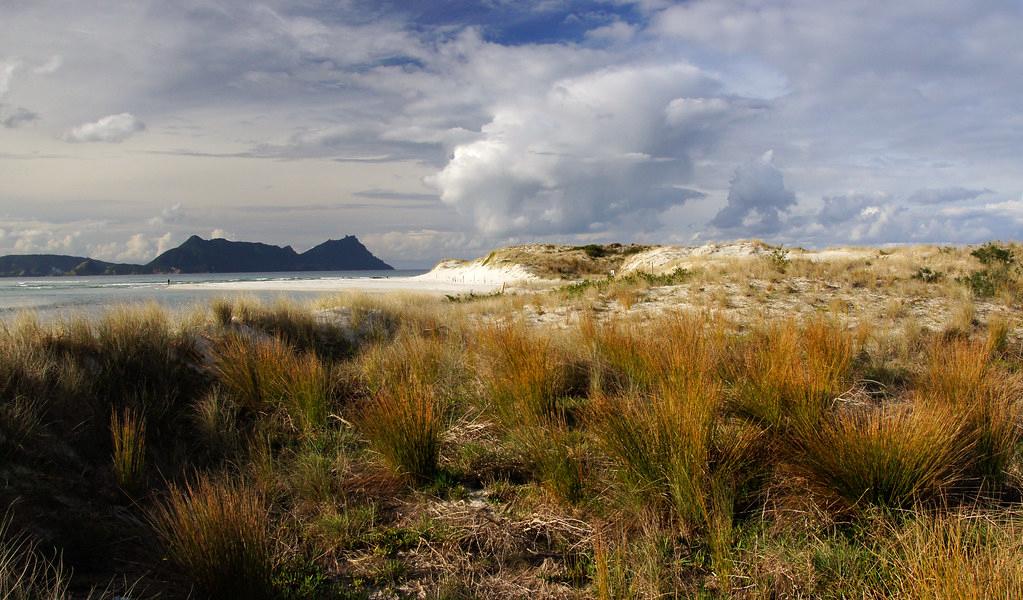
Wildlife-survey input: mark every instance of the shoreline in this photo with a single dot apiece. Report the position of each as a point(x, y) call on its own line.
point(340, 284)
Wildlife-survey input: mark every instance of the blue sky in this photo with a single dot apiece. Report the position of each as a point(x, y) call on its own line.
point(438, 129)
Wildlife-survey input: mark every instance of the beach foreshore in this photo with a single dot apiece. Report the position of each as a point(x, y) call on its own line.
point(338, 284)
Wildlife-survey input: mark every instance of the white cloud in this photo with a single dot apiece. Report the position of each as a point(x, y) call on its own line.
point(50, 66)
point(111, 128)
point(139, 248)
point(7, 69)
point(756, 198)
point(169, 214)
point(842, 208)
point(582, 154)
point(616, 32)
point(42, 240)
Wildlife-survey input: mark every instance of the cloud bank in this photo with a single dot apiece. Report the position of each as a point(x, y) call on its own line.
point(556, 121)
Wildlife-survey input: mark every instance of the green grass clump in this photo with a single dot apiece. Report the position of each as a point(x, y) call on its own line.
point(219, 534)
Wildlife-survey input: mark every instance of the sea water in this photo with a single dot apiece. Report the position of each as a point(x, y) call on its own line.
point(55, 297)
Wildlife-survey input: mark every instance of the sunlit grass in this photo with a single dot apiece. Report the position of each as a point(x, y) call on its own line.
point(219, 534)
point(25, 574)
point(128, 436)
point(405, 426)
point(893, 457)
point(969, 556)
point(786, 372)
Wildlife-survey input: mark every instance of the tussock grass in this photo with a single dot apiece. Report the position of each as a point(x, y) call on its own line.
point(724, 453)
point(216, 422)
point(219, 534)
point(262, 376)
point(893, 457)
point(128, 435)
point(531, 385)
point(787, 373)
point(413, 356)
point(405, 425)
point(968, 556)
point(962, 378)
point(674, 451)
point(625, 357)
point(20, 423)
point(527, 376)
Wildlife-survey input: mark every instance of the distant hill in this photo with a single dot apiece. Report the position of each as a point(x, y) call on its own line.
point(218, 255)
point(345, 254)
point(48, 265)
point(197, 255)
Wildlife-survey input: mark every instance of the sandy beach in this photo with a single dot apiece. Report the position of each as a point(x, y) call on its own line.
point(340, 284)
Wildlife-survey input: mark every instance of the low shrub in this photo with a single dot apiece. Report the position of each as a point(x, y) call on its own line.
point(1000, 271)
point(927, 275)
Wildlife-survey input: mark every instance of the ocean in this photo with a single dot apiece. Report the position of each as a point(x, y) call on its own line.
point(52, 298)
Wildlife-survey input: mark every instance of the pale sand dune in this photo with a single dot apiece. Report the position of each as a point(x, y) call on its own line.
point(338, 284)
point(476, 273)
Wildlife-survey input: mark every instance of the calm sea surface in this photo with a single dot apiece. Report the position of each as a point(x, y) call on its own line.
point(55, 297)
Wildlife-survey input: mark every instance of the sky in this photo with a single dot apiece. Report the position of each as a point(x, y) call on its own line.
point(443, 129)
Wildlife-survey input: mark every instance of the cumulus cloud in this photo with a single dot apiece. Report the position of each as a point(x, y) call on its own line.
point(424, 246)
point(169, 214)
point(44, 240)
point(756, 198)
point(111, 129)
point(602, 150)
point(139, 248)
point(7, 69)
point(842, 208)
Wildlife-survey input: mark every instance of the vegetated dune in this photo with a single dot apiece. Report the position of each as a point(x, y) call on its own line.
point(554, 262)
point(762, 423)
